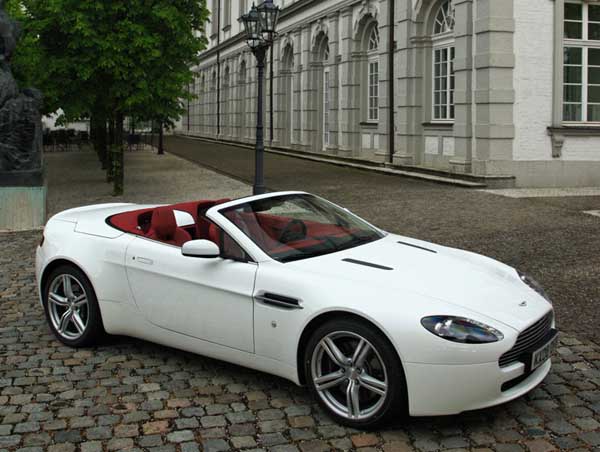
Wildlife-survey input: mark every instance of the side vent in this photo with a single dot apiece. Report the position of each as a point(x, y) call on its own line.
point(418, 247)
point(279, 301)
point(367, 264)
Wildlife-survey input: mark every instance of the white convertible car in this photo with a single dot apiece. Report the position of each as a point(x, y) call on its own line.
point(290, 284)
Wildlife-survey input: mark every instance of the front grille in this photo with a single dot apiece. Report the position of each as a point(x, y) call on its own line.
point(528, 339)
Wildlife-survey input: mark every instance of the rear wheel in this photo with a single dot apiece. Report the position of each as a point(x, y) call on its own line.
point(72, 308)
point(355, 373)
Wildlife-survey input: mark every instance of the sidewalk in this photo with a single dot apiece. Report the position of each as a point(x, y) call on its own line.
point(75, 179)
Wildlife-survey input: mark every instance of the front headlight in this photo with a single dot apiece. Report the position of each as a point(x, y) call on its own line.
point(534, 285)
point(462, 330)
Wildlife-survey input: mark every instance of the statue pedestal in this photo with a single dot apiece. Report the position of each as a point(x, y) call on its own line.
point(22, 201)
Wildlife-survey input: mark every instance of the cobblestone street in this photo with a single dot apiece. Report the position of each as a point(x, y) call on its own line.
point(133, 395)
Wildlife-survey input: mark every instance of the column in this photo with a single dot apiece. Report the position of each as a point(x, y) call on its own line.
point(348, 119)
point(334, 87)
point(463, 82)
point(494, 92)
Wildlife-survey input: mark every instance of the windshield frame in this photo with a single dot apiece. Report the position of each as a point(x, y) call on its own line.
point(240, 203)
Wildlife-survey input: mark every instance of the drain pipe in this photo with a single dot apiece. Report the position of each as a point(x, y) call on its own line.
point(218, 68)
point(391, 48)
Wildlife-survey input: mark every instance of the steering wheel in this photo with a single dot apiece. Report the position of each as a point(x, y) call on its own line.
point(294, 230)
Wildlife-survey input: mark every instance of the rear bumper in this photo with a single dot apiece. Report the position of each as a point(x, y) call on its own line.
point(435, 390)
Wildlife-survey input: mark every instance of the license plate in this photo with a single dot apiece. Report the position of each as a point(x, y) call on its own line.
point(543, 354)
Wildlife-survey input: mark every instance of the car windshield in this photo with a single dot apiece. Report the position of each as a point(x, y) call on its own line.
point(299, 226)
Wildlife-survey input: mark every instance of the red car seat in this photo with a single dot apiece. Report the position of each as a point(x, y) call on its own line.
point(164, 228)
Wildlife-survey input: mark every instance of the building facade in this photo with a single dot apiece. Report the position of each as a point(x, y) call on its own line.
point(507, 91)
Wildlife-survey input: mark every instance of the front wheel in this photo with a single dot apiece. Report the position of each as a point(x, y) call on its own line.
point(355, 373)
point(72, 308)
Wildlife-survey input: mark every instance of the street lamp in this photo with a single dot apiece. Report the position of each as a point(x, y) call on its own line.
point(260, 24)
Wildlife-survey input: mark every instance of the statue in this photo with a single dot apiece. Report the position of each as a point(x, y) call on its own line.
point(20, 118)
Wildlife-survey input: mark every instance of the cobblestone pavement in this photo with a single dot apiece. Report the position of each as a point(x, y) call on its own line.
point(129, 394)
point(133, 395)
point(550, 238)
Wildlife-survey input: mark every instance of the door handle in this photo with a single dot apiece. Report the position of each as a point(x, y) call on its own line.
point(143, 260)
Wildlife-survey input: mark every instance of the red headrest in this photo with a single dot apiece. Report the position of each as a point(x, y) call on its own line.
point(163, 222)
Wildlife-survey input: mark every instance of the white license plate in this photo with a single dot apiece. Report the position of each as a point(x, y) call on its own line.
point(543, 354)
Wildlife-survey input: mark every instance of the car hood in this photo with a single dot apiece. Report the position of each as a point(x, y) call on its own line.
point(454, 277)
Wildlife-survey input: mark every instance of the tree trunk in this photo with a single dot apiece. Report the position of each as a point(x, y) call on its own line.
point(110, 156)
point(118, 158)
point(98, 137)
point(161, 148)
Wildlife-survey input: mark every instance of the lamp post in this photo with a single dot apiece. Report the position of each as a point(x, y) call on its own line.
point(260, 23)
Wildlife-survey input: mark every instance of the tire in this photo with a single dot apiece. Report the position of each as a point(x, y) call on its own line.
point(83, 326)
point(352, 384)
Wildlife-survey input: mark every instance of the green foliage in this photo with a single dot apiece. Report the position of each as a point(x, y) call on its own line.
point(131, 57)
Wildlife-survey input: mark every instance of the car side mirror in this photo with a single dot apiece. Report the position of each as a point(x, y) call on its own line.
point(201, 249)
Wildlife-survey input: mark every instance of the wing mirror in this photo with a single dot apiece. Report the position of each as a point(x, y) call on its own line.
point(200, 248)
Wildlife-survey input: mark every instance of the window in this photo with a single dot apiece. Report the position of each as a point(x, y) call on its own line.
point(444, 20)
point(326, 107)
point(326, 97)
point(373, 75)
point(243, 7)
point(230, 248)
point(226, 13)
point(443, 63)
point(581, 72)
point(443, 83)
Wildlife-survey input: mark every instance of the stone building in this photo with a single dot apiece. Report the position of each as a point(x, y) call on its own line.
point(506, 91)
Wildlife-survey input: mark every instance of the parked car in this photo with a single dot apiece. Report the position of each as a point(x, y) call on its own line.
point(376, 324)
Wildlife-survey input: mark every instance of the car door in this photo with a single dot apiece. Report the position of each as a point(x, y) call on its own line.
point(209, 299)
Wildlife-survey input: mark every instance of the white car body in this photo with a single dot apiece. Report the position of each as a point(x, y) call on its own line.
point(213, 307)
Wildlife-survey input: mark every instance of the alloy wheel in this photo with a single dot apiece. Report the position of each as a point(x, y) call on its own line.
point(349, 375)
point(68, 306)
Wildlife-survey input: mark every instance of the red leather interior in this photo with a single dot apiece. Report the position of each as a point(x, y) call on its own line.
point(129, 221)
point(160, 224)
point(164, 228)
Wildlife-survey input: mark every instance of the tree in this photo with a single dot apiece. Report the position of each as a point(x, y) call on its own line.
point(111, 60)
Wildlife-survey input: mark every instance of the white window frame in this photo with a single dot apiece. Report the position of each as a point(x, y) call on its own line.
point(450, 89)
point(440, 42)
point(373, 76)
point(585, 45)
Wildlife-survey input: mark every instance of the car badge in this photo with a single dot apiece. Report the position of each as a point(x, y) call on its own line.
point(523, 304)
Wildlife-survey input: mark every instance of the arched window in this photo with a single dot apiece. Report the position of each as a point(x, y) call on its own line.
point(444, 20)
point(373, 74)
point(443, 63)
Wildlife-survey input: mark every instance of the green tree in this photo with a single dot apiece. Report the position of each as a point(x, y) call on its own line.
point(107, 60)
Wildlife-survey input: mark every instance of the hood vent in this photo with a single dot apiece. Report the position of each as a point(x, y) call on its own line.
point(367, 264)
point(418, 247)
